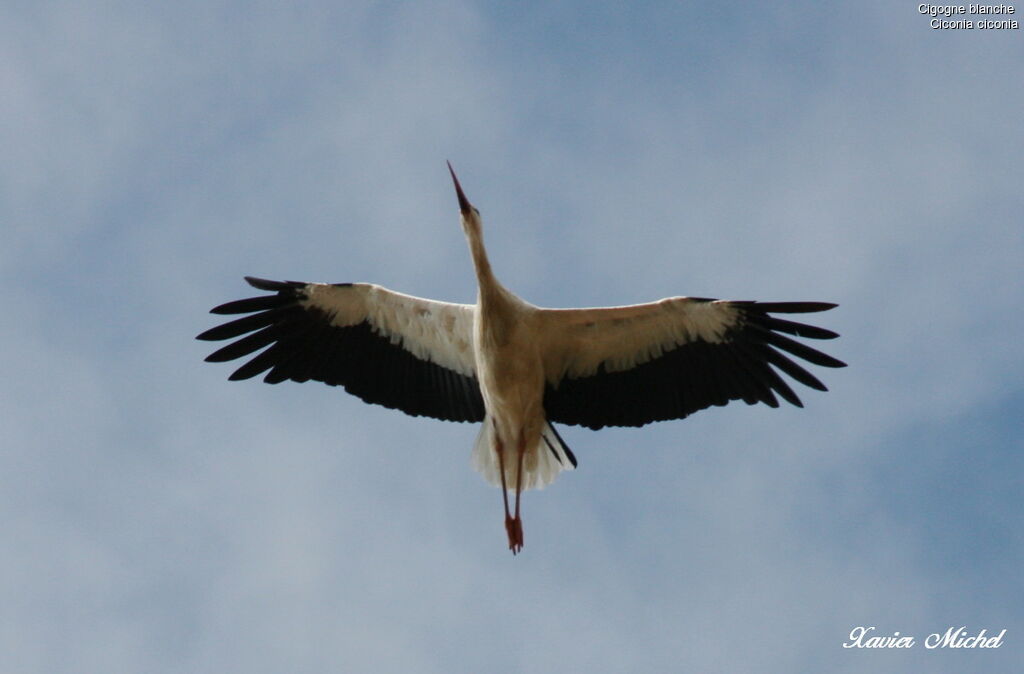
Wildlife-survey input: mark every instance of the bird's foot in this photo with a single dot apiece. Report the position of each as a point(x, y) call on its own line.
point(514, 529)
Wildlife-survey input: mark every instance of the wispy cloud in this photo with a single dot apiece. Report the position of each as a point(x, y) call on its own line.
point(161, 518)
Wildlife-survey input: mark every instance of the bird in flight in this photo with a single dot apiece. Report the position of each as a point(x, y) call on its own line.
point(519, 368)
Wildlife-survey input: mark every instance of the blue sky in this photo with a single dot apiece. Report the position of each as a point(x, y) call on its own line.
point(159, 518)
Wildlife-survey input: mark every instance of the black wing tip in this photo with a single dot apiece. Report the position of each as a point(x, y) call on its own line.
point(240, 375)
point(208, 335)
point(792, 328)
point(252, 305)
point(273, 286)
point(828, 361)
point(794, 307)
point(223, 309)
point(286, 292)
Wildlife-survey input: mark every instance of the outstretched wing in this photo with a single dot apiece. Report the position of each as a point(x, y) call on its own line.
point(629, 366)
point(395, 350)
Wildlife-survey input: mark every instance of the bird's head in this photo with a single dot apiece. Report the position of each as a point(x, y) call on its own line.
point(471, 223)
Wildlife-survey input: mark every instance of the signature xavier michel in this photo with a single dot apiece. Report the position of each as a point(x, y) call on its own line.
point(861, 637)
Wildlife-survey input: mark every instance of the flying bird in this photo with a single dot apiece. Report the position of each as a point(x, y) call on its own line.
point(519, 368)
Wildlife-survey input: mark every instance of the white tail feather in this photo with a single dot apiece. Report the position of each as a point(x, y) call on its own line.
point(540, 465)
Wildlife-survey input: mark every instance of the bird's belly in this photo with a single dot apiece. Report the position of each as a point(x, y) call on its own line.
point(512, 384)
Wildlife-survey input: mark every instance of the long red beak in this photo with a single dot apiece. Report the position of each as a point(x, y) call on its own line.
point(464, 204)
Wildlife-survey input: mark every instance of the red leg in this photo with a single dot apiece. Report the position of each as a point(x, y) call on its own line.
point(517, 522)
point(509, 524)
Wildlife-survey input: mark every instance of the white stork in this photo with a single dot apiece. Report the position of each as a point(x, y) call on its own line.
point(517, 367)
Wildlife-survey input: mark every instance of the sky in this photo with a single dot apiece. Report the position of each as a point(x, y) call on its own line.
point(158, 518)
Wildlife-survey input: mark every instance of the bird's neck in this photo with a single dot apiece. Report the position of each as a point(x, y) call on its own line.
point(493, 297)
point(484, 275)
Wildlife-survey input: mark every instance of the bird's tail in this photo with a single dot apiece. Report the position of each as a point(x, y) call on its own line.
point(541, 465)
